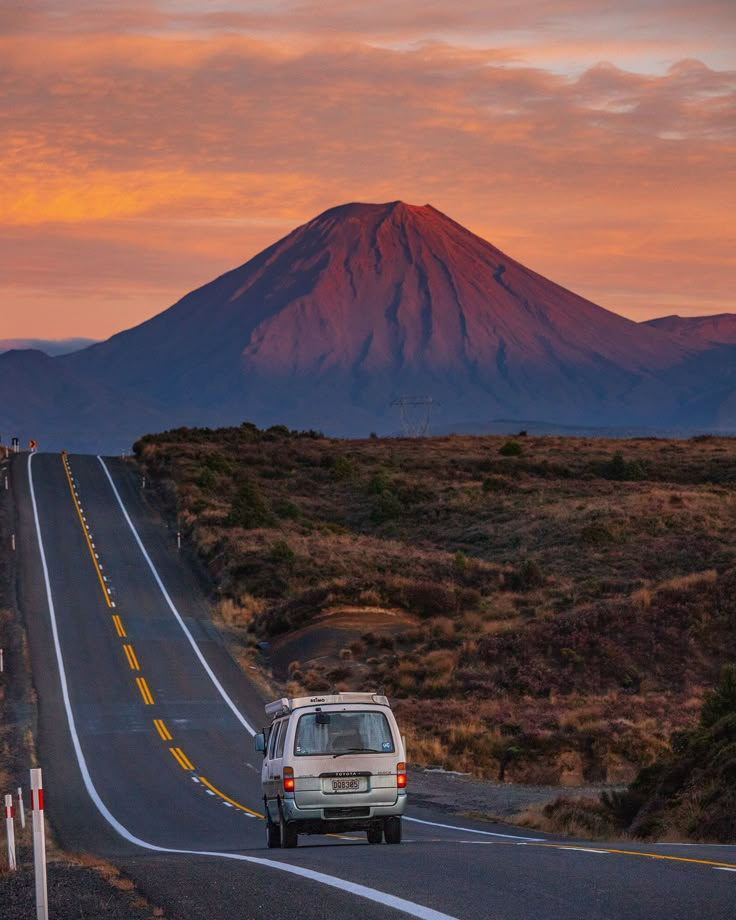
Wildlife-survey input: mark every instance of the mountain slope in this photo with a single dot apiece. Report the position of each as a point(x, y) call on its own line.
point(366, 302)
point(707, 330)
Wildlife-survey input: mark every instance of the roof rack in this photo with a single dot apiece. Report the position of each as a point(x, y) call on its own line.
point(285, 705)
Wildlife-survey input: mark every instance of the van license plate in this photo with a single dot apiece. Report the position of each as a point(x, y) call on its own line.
point(346, 785)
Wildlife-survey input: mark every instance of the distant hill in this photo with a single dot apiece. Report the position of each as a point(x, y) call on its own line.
point(50, 347)
point(708, 330)
point(41, 398)
point(367, 303)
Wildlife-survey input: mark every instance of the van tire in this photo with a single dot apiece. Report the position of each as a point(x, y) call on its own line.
point(375, 833)
point(392, 830)
point(289, 835)
point(273, 835)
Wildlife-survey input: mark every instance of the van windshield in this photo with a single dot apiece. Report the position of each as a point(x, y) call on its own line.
point(343, 733)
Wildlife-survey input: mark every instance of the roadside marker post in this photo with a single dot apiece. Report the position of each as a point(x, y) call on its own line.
point(39, 845)
point(10, 832)
point(2, 662)
point(178, 539)
point(12, 541)
point(21, 808)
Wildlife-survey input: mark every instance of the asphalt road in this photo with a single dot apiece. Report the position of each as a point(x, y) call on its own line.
point(145, 727)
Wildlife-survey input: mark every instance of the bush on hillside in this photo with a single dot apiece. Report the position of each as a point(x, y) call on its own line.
point(690, 792)
point(621, 470)
point(249, 508)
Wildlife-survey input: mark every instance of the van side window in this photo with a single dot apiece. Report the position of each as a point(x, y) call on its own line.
point(279, 749)
point(275, 728)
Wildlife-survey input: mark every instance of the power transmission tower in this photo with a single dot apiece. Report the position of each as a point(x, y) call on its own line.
point(416, 414)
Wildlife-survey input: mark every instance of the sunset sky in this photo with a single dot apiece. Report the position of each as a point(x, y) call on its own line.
point(148, 146)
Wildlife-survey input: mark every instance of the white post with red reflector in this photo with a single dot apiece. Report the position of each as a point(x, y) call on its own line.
point(21, 808)
point(10, 832)
point(39, 845)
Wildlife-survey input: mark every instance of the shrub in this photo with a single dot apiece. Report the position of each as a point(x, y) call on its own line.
point(287, 510)
point(207, 479)
point(597, 534)
point(379, 483)
point(344, 468)
point(386, 507)
point(511, 449)
point(620, 470)
point(721, 701)
point(527, 576)
point(281, 552)
point(429, 598)
point(249, 508)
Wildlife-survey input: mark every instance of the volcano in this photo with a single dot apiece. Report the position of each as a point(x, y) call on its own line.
point(369, 302)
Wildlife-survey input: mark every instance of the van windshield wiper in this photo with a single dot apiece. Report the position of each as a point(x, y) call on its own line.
point(356, 751)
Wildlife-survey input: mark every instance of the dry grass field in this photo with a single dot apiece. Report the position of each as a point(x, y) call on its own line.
point(560, 605)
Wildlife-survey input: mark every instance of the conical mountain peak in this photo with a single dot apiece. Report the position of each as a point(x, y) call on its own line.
point(366, 301)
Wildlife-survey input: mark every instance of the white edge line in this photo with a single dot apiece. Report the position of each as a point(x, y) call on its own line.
point(223, 693)
point(580, 849)
point(371, 894)
point(472, 830)
point(724, 868)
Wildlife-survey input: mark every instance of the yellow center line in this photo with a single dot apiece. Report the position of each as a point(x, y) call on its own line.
point(145, 692)
point(132, 660)
point(182, 758)
point(119, 629)
point(86, 535)
point(686, 859)
point(228, 799)
point(177, 758)
point(162, 729)
point(601, 849)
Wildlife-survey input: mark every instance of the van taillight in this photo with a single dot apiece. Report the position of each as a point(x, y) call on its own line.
point(401, 775)
point(288, 779)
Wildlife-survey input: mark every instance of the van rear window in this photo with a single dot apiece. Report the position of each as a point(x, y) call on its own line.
point(339, 733)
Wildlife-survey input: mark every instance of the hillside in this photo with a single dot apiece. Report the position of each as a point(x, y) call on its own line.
point(41, 398)
point(543, 609)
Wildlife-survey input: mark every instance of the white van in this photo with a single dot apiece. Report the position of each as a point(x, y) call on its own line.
point(331, 764)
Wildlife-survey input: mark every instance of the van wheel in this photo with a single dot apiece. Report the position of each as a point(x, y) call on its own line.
point(289, 835)
point(375, 833)
point(273, 835)
point(392, 830)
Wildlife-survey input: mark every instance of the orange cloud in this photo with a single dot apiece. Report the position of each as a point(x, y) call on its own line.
point(177, 146)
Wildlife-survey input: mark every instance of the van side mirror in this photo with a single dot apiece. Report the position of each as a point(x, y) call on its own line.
point(260, 742)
